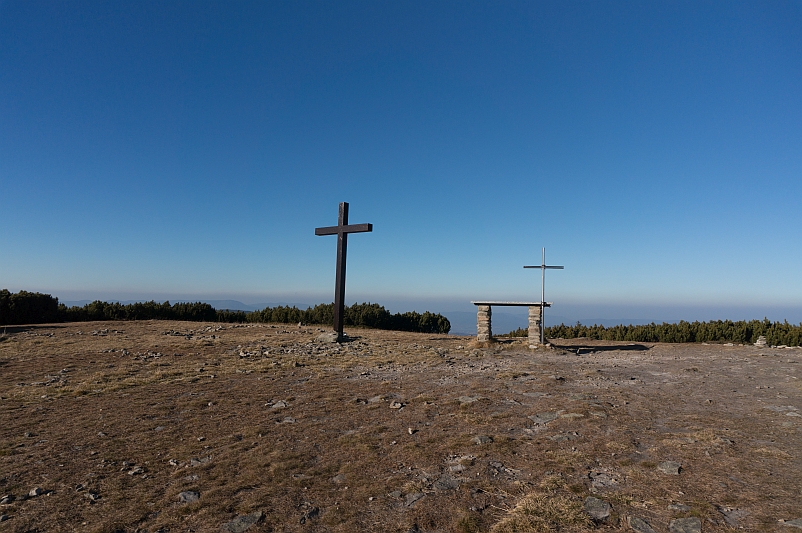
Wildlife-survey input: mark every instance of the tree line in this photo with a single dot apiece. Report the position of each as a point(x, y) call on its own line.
point(740, 332)
point(36, 308)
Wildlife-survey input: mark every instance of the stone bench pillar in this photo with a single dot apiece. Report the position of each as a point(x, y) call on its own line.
point(535, 314)
point(484, 331)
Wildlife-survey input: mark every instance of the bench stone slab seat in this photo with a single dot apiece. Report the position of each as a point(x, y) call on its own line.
point(484, 330)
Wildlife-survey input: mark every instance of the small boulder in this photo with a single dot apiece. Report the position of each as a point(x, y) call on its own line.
point(670, 467)
point(329, 337)
point(482, 439)
point(598, 510)
point(189, 496)
point(640, 525)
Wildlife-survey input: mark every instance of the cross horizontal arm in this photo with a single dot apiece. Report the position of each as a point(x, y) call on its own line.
point(546, 266)
point(351, 228)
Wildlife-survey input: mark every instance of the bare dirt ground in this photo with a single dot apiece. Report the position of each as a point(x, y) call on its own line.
point(178, 426)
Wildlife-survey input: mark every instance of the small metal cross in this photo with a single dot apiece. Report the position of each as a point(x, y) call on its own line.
point(342, 229)
point(543, 266)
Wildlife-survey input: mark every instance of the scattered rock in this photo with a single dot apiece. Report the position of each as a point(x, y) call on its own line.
point(243, 522)
point(464, 400)
point(598, 510)
point(446, 482)
point(189, 496)
point(339, 478)
point(136, 470)
point(413, 497)
point(411, 431)
point(197, 462)
point(564, 437)
point(731, 516)
point(36, 491)
point(314, 512)
point(678, 507)
point(669, 467)
point(602, 480)
point(395, 404)
point(640, 525)
point(328, 337)
point(482, 439)
point(8, 498)
point(281, 404)
point(541, 419)
point(4, 517)
point(796, 522)
point(395, 494)
point(685, 525)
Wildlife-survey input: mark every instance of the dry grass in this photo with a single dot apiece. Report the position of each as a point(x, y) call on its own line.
point(551, 508)
point(263, 418)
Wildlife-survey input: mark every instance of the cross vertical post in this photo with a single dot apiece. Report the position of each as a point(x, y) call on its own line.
point(543, 266)
point(342, 229)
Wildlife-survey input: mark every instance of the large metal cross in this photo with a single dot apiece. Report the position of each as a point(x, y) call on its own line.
point(341, 230)
point(543, 266)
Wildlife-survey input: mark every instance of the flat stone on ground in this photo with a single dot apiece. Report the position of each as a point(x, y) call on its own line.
point(685, 525)
point(669, 467)
point(732, 516)
point(243, 522)
point(682, 508)
point(413, 497)
point(482, 439)
point(446, 482)
point(541, 419)
point(796, 522)
point(189, 496)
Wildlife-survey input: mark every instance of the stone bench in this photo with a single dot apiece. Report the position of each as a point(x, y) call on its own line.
point(484, 329)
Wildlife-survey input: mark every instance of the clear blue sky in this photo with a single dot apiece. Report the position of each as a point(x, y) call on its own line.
point(189, 149)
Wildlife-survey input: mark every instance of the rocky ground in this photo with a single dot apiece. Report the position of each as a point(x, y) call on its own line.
point(178, 426)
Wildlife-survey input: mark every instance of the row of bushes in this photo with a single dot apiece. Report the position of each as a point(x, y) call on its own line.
point(35, 308)
point(741, 332)
point(365, 314)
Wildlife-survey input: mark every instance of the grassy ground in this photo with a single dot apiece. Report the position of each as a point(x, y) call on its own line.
point(389, 432)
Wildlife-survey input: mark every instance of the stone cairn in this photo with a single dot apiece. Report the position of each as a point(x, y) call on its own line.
point(483, 332)
point(761, 341)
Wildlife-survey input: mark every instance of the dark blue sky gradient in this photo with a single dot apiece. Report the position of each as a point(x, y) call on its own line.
point(188, 149)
